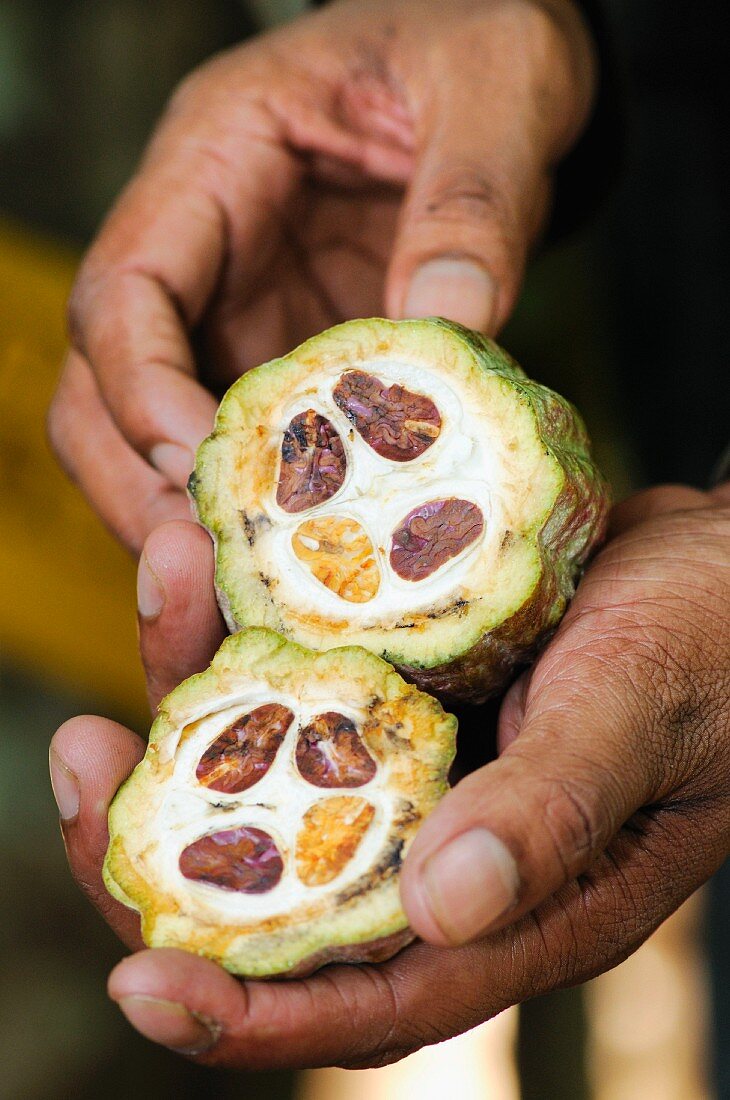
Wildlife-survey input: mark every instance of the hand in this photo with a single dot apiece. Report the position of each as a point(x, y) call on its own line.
point(369, 157)
point(609, 805)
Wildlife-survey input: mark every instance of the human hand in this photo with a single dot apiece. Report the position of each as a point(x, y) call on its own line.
point(367, 158)
point(609, 805)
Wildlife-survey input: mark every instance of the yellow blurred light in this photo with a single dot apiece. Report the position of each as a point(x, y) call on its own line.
point(476, 1066)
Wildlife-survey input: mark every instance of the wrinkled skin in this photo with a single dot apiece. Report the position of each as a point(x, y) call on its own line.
point(369, 158)
point(293, 183)
point(611, 792)
point(433, 534)
point(397, 423)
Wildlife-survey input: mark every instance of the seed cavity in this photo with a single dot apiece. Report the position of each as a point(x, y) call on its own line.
point(331, 833)
point(397, 423)
point(313, 463)
point(244, 859)
point(330, 753)
point(244, 752)
point(433, 534)
point(340, 555)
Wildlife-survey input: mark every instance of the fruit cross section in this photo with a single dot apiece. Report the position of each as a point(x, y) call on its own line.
point(381, 493)
point(261, 802)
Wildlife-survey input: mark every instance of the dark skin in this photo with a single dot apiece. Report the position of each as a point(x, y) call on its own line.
point(610, 794)
point(398, 159)
point(304, 178)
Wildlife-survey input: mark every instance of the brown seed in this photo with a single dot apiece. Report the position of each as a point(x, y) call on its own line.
point(243, 859)
point(244, 752)
point(340, 555)
point(331, 754)
point(330, 835)
point(431, 535)
point(397, 423)
point(313, 463)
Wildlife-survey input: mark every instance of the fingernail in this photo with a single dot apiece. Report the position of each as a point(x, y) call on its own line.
point(470, 883)
point(174, 461)
point(170, 1024)
point(460, 290)
point(150, 593)
point(65, 784)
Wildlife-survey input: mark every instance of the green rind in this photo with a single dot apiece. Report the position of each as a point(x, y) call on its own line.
point(483, 654)
point(367, 926)
point(573, 528)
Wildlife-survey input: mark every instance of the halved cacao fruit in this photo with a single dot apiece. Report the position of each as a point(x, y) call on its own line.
point(266, 825)
point(405, 487)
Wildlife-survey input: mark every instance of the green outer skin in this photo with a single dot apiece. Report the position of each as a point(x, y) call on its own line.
point(365, 921)
point(569, 528)
point(574, 529)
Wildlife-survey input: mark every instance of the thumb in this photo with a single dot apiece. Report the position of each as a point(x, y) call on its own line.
point(477, 200)
point(180, 626)
point(508, 836)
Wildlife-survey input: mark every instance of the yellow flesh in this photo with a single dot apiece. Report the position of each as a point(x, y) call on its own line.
point(340, 555)
point(331, 834)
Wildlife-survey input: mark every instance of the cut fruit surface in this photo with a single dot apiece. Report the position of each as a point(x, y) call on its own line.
point(330, 753)
point(397, 423)
point(433, 534)
point(313, 463)
point(241, 835)
point(243, 753)
point(243, 859)
point(340, 555)
point(331, 834)
point(405, 487)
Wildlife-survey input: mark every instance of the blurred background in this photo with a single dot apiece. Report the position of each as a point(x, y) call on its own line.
point(627, 315)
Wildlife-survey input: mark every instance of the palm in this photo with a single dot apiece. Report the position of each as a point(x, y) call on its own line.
point(325, 264)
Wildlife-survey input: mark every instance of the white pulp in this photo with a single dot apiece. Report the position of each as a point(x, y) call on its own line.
point(277, 804)
point(379, 493)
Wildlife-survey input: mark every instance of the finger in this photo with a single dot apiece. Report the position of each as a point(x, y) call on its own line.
point(209, 188)
point(466, 229)
point(253, 1023)
point(512, 833)
point(608, 714)
point(654, 502)
point(373, 1015)
point(512, 711)
point(129, 496)
point(480, 187)
point(180, 626)
point(89, 759)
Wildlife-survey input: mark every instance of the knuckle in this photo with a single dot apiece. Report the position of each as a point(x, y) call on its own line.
point(403, 1031)
point(387, 1046)
point(556, 43)
point(130, 404)
point(209, 86)
point(548, 26)
point(573, 824)
point(469, 194)
point(586, 927)
point(550, 946)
